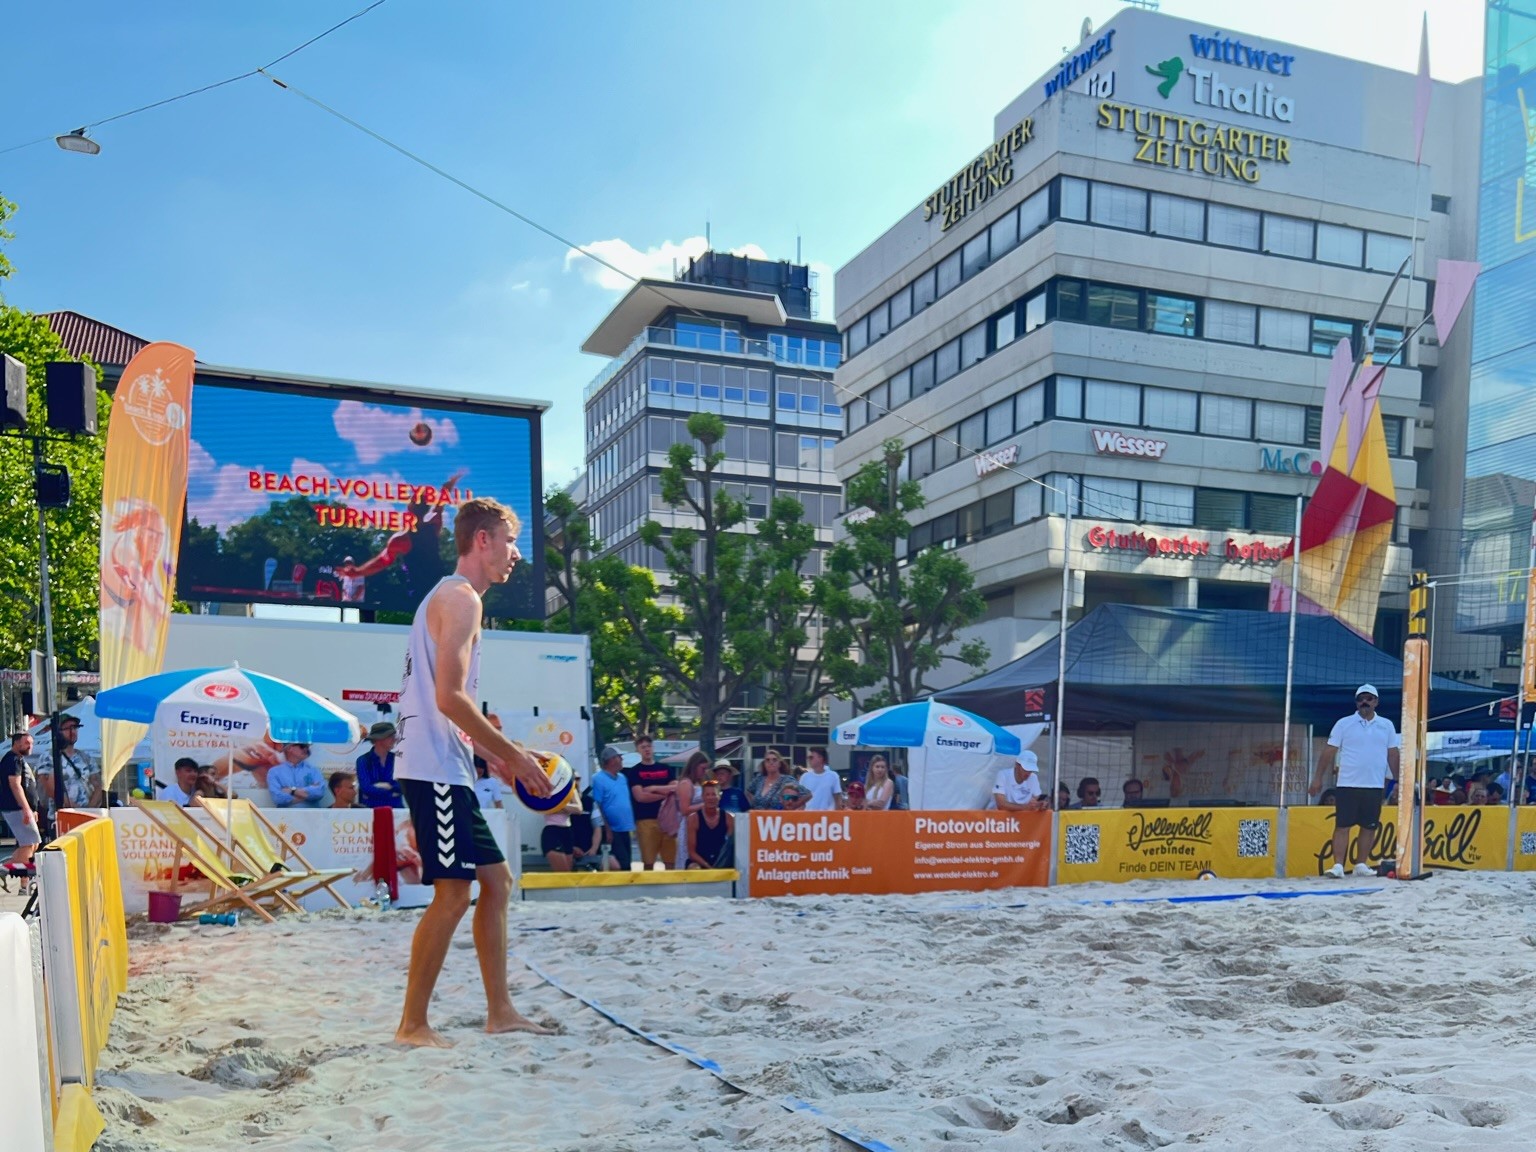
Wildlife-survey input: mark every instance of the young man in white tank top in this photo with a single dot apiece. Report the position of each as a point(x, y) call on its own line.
point(440, 731)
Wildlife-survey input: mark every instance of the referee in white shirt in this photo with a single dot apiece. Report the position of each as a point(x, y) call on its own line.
point(1367, 749)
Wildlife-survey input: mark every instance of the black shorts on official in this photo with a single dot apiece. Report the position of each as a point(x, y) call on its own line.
point(557, 839)
point(452, 836)
point(1357, 807)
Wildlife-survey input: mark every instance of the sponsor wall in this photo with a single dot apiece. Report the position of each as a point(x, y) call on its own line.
point(328, 838)
point(879, 853)
point(86, 969)
point(1458, 838)
point(1166, 843)
point(1525, 839)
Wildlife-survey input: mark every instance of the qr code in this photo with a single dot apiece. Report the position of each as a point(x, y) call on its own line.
point(1082, 843)
point(1252, 839)
point(1528, 843)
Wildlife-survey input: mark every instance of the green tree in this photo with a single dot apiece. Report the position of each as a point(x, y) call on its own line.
point(711, 573)
point(608, 600)
point(74, 533)
point(909, 620)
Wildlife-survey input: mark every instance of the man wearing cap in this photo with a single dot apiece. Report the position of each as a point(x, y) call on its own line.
point(1366, 746)
point(1018, 788)
point(732, 798)
point(612, 804)
point(376, 786)
point(296, 783)
point(82, 776)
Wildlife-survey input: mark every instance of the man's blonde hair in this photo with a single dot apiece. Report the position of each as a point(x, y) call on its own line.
point(481, 513)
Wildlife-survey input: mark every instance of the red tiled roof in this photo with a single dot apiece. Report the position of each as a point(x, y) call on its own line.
point(92, 340)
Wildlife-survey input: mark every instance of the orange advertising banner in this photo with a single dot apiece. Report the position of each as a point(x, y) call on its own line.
point(143, 493)
point(881, 853)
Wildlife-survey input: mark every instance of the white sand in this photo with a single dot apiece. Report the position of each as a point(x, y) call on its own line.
point(939, 1021)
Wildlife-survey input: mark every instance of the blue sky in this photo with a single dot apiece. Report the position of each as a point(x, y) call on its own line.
point(265, 234)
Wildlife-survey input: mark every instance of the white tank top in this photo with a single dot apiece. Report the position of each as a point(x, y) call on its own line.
point(430, 746)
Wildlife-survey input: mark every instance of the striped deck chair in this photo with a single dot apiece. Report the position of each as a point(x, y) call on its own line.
point(230, 885)
point(261, 845)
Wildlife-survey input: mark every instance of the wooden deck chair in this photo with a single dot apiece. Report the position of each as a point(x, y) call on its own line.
point(229, 885)
point(263, 846)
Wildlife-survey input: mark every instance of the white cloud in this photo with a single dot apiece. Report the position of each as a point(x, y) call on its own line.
point(657, 263)
point(375, 433)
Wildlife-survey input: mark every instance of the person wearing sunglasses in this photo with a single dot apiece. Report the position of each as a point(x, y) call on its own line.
point(296, 782)
point(768, 790)
point(1366, 746)
point(1089, 792)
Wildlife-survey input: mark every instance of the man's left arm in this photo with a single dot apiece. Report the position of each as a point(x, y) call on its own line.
point(1394, 760)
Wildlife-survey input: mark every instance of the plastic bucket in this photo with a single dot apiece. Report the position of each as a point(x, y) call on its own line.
point(164, 907)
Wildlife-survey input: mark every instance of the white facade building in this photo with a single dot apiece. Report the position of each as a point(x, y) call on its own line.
point(1131, 293)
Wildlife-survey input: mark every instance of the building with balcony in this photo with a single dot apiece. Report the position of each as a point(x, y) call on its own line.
point(1126, 304)
point(733, 336)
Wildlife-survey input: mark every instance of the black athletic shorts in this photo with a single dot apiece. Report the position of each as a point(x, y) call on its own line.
point(451, 833)
point(1357, 807)
point(557, 839)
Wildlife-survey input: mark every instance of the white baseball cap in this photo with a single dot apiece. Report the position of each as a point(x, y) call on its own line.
point(1367, 690)
point(1028, 761)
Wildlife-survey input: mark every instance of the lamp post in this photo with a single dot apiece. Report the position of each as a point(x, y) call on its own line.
point(40, 470)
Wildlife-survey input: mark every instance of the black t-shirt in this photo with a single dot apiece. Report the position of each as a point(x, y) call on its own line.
point(647, 776)
point(13, 765)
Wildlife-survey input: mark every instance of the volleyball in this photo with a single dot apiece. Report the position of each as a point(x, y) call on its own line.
point(1206, 875)
point(562, 780)
point(421, 434)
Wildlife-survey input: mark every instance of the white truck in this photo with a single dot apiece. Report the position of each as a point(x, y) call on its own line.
point(539, 684)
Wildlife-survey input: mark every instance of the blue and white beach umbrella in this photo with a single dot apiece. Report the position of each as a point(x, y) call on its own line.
point(245, 704)
point(927, 724)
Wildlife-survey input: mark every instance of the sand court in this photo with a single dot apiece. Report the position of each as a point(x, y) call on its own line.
point(919, 1022)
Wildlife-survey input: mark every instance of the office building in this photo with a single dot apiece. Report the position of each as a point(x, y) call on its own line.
point(733, 336)
point(1127, 300)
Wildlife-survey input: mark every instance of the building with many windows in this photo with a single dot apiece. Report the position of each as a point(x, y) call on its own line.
point(1126, 304)
point(734, 336)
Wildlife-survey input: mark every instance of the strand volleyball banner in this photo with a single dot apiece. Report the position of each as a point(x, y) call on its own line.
point(143, 492)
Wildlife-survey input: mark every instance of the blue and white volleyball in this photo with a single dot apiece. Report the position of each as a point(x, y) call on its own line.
point(562, 780)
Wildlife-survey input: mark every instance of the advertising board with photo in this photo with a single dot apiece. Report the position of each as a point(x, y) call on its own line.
point(346, 497)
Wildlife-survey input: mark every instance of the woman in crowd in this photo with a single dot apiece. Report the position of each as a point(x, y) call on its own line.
point(767, 789)
point(1063, 797)
point(690, 799)
point(879, 788)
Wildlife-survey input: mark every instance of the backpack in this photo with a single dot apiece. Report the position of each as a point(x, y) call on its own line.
point(669, 818)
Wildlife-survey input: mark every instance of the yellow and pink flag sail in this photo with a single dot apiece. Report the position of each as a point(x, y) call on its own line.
point(143, 494)
point(1347, 526)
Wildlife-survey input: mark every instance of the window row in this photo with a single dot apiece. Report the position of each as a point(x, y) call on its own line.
point(746, 442)
point(1169, 505)
point(1155, 213)
point(613, 407)
point(1224, 226)
point(726, 336)
point(617, 460)
point(1125, 307)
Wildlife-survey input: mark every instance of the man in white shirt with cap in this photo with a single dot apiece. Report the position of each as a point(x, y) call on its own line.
point(1366, 746)
point(1018, 787)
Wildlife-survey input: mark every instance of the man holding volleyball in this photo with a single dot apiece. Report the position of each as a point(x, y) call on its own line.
point(440, 731)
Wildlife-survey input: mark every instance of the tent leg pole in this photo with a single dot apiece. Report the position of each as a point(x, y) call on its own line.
point(1290, 655)
point(1061, 644)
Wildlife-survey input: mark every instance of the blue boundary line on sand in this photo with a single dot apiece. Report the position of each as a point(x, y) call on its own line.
point(1222, 897)
point(788, 1103)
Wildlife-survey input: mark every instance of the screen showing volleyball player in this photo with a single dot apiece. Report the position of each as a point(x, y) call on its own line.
point(346, 497)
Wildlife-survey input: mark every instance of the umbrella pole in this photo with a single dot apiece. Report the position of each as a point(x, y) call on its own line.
point(1290, 653)
point(1061, 655)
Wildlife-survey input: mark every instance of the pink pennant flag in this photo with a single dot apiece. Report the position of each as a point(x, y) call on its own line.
point(1421, 93)
point(1339, 368)
point(1453, 285)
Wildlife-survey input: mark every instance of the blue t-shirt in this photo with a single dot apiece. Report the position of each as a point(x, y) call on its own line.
point(611, 795)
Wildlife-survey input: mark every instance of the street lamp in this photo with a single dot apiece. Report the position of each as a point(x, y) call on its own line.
point(77, 141)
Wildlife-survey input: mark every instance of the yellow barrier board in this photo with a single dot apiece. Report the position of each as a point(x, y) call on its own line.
point(1457, 838)
point(1166, 843)
point(626, 879)
point(1525, 839)
point(79, 1122)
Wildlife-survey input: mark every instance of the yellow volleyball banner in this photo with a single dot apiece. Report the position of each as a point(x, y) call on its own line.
point(143, 493)
point(1525, 839)
point(1457, 838)
point(1166, 843)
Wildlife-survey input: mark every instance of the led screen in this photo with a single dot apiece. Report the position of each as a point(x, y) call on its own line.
point(343, 498)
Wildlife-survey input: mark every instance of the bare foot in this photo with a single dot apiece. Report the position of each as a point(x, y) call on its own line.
point(422, 1037)
point(515, 1021)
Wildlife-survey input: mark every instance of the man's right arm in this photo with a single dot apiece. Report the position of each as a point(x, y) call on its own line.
point(452, 619)
point(1324, 764)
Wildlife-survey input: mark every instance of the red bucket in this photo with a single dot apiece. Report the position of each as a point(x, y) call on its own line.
point(164, 907)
